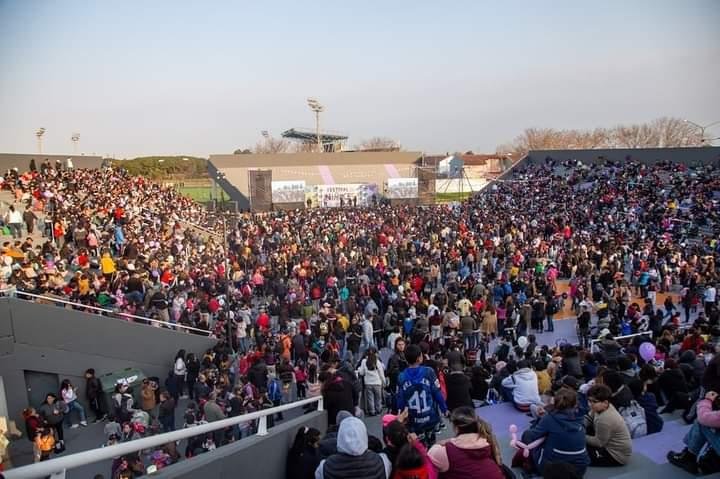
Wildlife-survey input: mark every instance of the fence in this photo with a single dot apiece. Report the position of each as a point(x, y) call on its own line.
point(102, 311)
point(56, 468)
point(617, 338)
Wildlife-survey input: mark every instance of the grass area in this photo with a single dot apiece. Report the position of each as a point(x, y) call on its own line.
point(448, 197)
point(200, 194)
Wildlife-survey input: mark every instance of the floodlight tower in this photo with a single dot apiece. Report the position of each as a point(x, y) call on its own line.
point(317, 108)
point(39, 134)
point(75, 139)
point(702, 129)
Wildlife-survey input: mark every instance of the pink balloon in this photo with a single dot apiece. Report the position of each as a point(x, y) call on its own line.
point(647, 351)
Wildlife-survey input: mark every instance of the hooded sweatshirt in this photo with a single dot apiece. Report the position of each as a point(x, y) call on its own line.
point(564, 433)
point(419, 391)
point(353, 459)
point(465, 456)
point(524, 385)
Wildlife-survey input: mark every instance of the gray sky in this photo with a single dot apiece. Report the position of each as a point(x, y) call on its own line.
point(180, 77)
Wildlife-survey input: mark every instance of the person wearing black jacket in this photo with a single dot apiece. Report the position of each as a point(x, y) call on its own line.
point(711, 377)
point(304, 456)
point(673, 385)
point(396, 364)
point(93, 393)
point(459, 388)
point(337, 394)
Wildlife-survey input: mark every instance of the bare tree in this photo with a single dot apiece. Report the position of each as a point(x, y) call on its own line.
point(660, 133)
point(379, 143)
point(271, 145)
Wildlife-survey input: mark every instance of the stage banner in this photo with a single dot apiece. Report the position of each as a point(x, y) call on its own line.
point(288, 191)
point(352, 194)
point(401, 188)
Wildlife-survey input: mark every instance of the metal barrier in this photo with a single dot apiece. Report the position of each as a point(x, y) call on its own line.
point(57, 467)
point(595, 341)
point(53, 299)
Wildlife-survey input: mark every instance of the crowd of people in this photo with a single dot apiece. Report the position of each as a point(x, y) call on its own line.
point(304, 302)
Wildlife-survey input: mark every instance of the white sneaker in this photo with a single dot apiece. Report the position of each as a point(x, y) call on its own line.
point(75, 426)
point(83, 423)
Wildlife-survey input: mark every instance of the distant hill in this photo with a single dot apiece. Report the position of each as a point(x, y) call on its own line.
point(165, 167)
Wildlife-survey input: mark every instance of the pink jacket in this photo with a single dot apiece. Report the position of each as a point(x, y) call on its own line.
point(706, 416)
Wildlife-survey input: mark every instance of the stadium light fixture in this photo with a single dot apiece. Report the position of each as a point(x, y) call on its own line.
point(317, 108)
point(75, 139)
point(702, 128)
point(39, 134)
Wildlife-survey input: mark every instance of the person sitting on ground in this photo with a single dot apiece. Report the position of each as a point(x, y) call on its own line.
point(473, 452)
point(459, 387)
point(353, 459)
point(608, 439)
point(564, 432)
point(704, 431)
point(522, 387)
point(649, 404)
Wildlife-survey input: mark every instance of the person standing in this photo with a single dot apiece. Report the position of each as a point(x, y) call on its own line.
point(419, 391)
point(93, 393)
point(53, 415)
point(396, 365)
point(179, 375)
point(373, 372)
point(166, 415)
point(29, 218)
point(14, 221)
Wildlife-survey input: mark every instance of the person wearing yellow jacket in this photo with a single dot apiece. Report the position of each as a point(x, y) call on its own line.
point(45, 442)
point(108, 265)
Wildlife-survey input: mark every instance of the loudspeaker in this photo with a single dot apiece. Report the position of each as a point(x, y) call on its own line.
point(260, 186)
point(426, 185)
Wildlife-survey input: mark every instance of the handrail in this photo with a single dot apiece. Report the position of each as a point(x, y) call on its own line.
point(127, 315)
point(644, 333)
point(59, 465)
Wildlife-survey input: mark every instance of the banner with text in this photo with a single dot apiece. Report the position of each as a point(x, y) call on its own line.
point(288, 191)
point(402, 188)
point(352, 194)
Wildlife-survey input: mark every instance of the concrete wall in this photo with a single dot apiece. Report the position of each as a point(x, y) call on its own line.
point(253, 457)
point(21, 161)
point(50, 339)
point(688, 156)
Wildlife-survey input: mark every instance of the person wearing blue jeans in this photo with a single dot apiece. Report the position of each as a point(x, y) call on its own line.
point(705, 431)
point(69, 395)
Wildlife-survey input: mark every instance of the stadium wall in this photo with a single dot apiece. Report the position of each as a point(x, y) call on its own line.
point(55, 340)
point(690, 156)
point(21, 161)
point(256, 456)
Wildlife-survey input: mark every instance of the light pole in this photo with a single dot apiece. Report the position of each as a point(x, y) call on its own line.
point(702, 129)
point(39, 134)
point(75, 139)
point(317, 108)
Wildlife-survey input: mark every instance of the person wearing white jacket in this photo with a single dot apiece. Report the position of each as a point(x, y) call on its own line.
point(523, 385)
point(373, 373)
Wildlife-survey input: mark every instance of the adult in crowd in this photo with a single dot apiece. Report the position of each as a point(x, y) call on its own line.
point(353, 458)
point(473, 452)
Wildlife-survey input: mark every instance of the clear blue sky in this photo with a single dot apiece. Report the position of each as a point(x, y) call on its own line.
point(200, 77)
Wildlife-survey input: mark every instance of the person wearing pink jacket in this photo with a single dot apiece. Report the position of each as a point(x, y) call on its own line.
point(704, 431)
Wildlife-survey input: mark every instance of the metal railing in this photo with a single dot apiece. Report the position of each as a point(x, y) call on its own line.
point(106, 312)
point(57, 467)
point(616, 338)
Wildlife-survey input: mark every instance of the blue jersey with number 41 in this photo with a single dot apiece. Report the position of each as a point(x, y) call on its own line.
point(420, 393)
